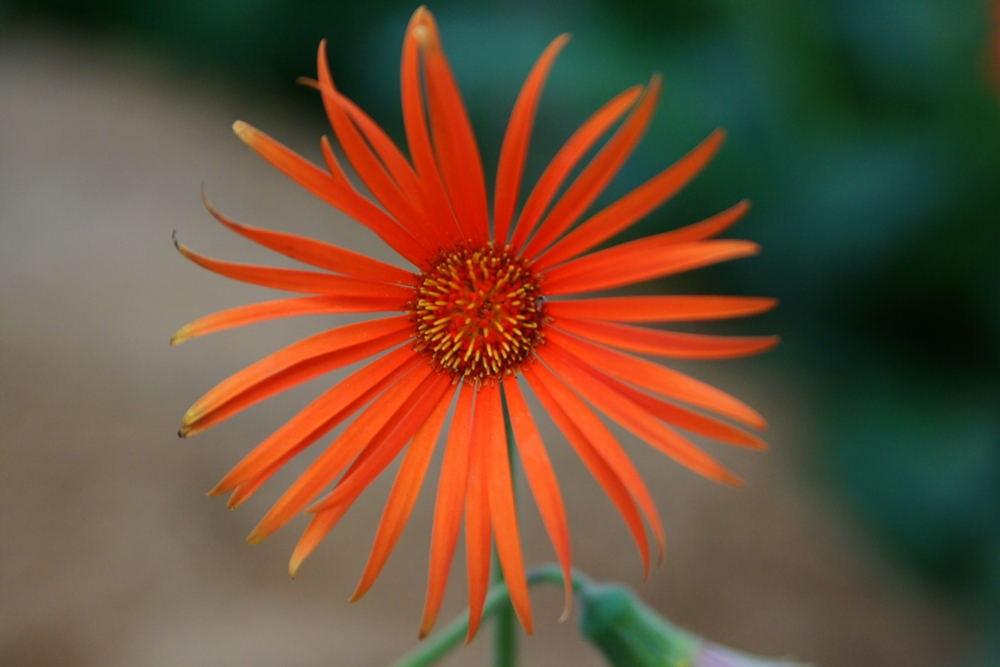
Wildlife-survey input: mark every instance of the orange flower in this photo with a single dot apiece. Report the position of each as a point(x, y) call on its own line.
point(477, 318)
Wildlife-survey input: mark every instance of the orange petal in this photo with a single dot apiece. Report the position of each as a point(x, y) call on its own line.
point(642, 424)
point(542, 480)
point(366, 164)
point(404, 492)
point(335, 193)
point(454, 142)
point(448, 507)
point(680, 308)
point(316, 419)
point(477, 510)
point(666, 343)
point(269, 310)
point(316, 253)
point(325, 343)
point(682, 417)
point(515, 141)
point(338, 455)
point(658, 379)
point(290, 280)
point(634, 206)
point(566, 160)
point(640, 260)
point(503, 513)
point(390, 441)
point(399, 168)
point(323, 522)
point(418, 139)
point(288, 378)
point(596, 175)
point(595, 462)
point(333, 164)
point(318, 528)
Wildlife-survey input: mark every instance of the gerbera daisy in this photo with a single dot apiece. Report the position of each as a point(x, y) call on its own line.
point(481, 313)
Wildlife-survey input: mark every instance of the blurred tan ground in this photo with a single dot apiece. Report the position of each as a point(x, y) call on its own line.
point(111, 555)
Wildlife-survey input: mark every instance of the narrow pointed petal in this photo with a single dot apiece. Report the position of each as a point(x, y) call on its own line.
point(454, 142)
point(566, 160)
point(592, 459)
point(680, 308)
point(417, 136)
point(335, 193)
point(640, 260)
point(477, 512)
point(631, 416)
point(448, 507)
point(634, 206)
point(542, 480)
point(288, 378)
point(514, 150)
point(319, 417)
point(269, 310)
point(399, 168)
point(316, 253)
point(338, 455)
point(391, 440)
point(403, 495)
point(503, 512)
point(333, 164)
point(319, 527)
point(365, 163)
point(608, 447)
point(672, 344)
point(684, 418)
point(597, 174)
point(658, 379)
point(325, 521)
point(324, 343)
point(291, 280)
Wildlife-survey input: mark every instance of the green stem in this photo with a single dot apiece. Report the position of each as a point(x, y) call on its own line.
point(505, 622)
point(439, 644)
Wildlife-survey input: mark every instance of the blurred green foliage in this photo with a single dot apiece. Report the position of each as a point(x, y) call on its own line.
point(866, 132)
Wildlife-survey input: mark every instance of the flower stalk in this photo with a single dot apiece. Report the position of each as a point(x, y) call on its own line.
point(619, 624)
point(505, 624)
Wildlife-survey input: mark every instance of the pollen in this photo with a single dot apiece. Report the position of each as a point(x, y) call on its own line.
point(478, 312)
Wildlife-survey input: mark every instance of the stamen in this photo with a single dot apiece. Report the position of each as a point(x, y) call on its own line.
point(477, 312)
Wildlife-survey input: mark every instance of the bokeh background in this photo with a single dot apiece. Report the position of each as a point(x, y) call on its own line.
point(867, 134)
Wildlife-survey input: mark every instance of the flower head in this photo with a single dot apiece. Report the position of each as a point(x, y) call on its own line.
point(482, 313)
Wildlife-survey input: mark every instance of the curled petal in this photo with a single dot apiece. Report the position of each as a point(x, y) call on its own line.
point(291, 280)
point(316, 253)
point(334, 192)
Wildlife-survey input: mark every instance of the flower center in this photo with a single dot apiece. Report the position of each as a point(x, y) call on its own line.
point(478, 312)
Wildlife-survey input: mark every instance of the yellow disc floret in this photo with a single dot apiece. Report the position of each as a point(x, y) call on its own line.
point(478, 312)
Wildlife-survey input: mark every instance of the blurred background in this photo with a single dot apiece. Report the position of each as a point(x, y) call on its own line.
point(867, 134)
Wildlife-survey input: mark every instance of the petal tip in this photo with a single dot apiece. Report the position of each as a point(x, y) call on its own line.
point(181, 335)
point(243, 130)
